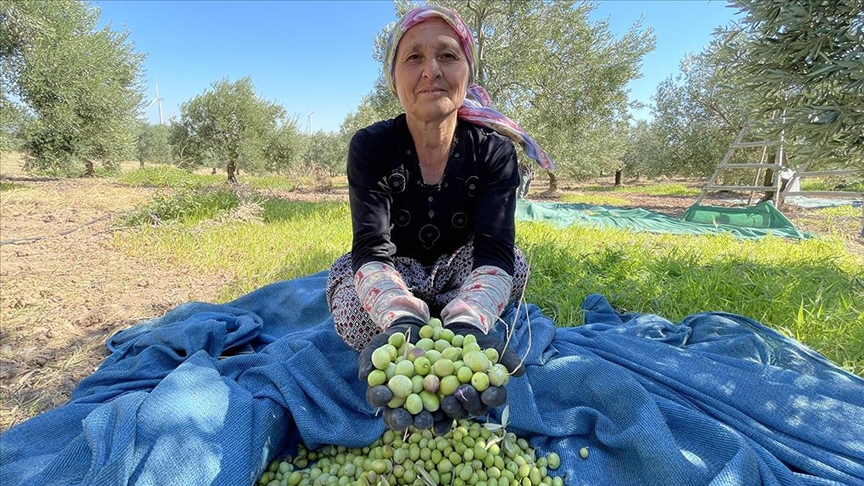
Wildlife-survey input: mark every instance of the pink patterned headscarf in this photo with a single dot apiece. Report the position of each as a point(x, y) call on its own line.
point(477, 107)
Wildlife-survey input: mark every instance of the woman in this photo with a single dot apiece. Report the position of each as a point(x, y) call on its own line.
point(433, 195)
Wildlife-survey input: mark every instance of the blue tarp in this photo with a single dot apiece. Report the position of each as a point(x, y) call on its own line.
point(208, 394)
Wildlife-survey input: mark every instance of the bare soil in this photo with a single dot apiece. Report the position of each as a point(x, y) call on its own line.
point(65, 288)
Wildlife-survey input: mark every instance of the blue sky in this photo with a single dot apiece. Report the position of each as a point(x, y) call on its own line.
point(315, 57)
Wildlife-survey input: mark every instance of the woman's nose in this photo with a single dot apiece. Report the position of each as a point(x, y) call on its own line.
point(431, 68)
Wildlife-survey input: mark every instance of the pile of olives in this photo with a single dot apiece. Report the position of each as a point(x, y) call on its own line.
point(467, 454)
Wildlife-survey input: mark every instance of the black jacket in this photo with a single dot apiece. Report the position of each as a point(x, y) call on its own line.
point(394, 213)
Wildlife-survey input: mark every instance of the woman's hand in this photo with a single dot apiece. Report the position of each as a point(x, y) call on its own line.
point(409, 327)
point(398, 418)
point(467, 401)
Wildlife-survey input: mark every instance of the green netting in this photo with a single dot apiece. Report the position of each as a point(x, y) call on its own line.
point(762, 215)
point(750, 222)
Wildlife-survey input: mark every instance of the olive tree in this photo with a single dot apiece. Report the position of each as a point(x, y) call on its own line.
point(285, 149)
point(806, 60)
point(231, 126)
point(81, 85)
point(643, 151)
point(13, 117)
point(152, 144)
point(697, 113)
point(323, 153)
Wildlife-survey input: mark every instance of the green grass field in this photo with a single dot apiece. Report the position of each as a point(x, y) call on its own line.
point(661, 189)
point(810, 290)
point(8, 186)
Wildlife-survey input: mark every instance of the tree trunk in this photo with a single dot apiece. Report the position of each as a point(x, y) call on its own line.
point(553, 182)
point(766, 181)
point(232, 172)
point(141, 163)
point(90, 171)
point(618, 174)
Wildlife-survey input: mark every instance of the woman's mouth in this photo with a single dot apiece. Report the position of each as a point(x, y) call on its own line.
point(431, 90)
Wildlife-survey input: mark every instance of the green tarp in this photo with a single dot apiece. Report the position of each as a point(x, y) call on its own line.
point(745, 222)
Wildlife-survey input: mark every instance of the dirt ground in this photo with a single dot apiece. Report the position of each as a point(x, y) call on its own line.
point(65, 288)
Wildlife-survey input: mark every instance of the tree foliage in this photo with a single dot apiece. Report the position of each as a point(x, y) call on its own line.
point(363, 116)
point(697, 113)
point(230, 126)
point(323, 153)
point(806, 60)
point(81, 84)
point(557, 73)
point(152, 144)
point(13, 117)
point(285, 150)
point(643, 152)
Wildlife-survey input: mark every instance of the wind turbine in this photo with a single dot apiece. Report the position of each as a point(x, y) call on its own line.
point(157, 99)
point(309, 121)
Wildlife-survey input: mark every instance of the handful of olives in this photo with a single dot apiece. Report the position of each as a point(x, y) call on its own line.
point(444, 376)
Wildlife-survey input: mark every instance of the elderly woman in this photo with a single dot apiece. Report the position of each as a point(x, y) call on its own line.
point(433, 197)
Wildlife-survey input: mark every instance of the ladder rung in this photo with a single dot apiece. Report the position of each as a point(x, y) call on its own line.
point(750, 166)
point(827, 173)
point(825, 193)
point(739, 188)
point(752, 144)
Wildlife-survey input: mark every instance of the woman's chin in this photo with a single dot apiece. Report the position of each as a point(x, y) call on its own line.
point(435, 111)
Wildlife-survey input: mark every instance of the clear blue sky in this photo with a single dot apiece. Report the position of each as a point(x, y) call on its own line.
point(316, 56)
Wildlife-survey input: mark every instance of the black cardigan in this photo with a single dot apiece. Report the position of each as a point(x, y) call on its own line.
point(394, 213)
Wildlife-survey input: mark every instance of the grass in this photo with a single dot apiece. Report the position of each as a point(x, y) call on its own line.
point(186, 206)
point(832, 184)
point(659, 189)
point(594, 199)
point(810, 290)
point(838, 222)
point(271, 182)
point(8, 186)
point(839, 211)
point(283, 240)
point(167, 176)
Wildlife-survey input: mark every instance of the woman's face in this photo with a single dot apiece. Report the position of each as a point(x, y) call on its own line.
point(430, 71)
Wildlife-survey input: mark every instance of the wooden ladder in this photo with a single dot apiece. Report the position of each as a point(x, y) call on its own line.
point(725, 164)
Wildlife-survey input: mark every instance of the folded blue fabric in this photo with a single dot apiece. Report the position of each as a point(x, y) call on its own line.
point(208, 394)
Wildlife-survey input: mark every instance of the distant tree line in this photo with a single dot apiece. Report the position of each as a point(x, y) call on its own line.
point(73, 94)
point(73, 98)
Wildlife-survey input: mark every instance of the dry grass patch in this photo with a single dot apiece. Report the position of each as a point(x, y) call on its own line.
point(66, 288)
point(11, 163)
